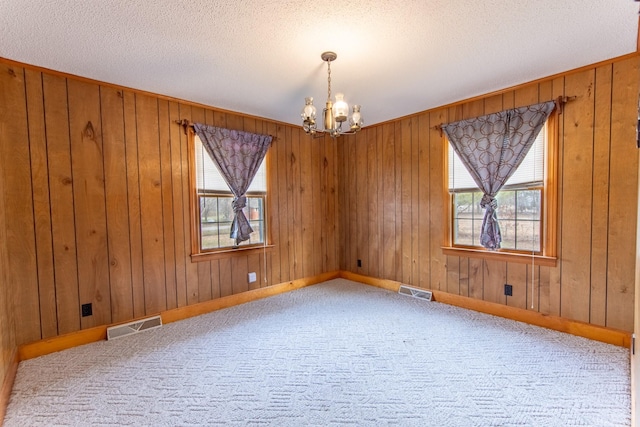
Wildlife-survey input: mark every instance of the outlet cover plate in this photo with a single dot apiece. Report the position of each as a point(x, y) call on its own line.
point(508, 290)
point(87, 310)
point(252, 277)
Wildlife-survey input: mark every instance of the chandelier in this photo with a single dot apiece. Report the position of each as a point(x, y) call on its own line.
point(334, 114)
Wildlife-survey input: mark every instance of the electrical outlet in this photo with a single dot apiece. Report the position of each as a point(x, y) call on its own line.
point(87, 310)
point(359, 263)
point(252, 277)
point(508, 290)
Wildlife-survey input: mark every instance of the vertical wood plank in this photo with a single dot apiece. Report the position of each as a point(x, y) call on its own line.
point(600, 195)
point(493, 104)
point(526, 95)
point(406, 203)
point(464, 276)
point(495, 276)
point(296, 185)
point(373, 226)
point(292, 185)
point(115, 174)
point(166, 177)
point(576, 222)
point(284, 209)
point(89, 200)
point(352, 203)
point(305, 207)
point(453, 275)
point(416, 207)
point(226, 281)
point(424, 184)
point(239, 274)
point(332, 212)
point(204, 281)
point(179, 220)
point(380, 164)
point(273, 206)
point(133, 193)
point(389, 203)
point(623, 196)
point(153, 263)
point(61, 198)
point(318, 210)
point(8, 344)
point(18, 197)
point(341, 158)
point(517, 277)
point(398, 255)
point(215, 280)
point(362, 196)
point(41, 204)
point(544, 280)
point(439, 227)
point(476, 278)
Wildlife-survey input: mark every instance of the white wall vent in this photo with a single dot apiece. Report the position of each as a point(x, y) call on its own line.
point(134, 327)
point(416, 293)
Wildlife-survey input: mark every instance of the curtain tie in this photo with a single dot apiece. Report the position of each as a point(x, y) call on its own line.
point(239, 203)
point(488, 201)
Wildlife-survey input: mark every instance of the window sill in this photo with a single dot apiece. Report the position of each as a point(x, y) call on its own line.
point(229, 253)
point(521, 258)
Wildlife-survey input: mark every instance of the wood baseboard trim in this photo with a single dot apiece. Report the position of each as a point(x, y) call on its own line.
point(99, 333)
point(62, 342)
point(561, 324)
point(229, 301)
point(7, 385)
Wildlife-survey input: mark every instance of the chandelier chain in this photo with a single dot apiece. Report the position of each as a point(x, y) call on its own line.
point(329, 79)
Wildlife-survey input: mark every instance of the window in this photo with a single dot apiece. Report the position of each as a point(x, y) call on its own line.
point(519, 202)
point(214, 210)
point(526, 207)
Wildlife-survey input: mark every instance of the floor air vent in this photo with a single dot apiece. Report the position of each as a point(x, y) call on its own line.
point(416, 293)
point(133, 327)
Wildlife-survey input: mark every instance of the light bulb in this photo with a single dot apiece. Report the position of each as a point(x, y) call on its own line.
point(340, 108)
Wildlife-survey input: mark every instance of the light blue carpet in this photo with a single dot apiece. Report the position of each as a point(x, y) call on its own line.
point(334, 354)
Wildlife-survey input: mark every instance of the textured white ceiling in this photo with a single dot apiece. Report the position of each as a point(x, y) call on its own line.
point(262, 57)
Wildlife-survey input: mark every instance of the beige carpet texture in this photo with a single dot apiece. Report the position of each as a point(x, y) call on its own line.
point(334, 354)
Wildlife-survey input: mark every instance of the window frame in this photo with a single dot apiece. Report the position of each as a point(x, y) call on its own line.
point(197, 253)
point(254, 195)
point(549, 210)
point(513, 188)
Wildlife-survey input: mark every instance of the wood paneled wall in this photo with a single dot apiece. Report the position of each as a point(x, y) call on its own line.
point(8, 346)
point(391, 202)
point(97, 204)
